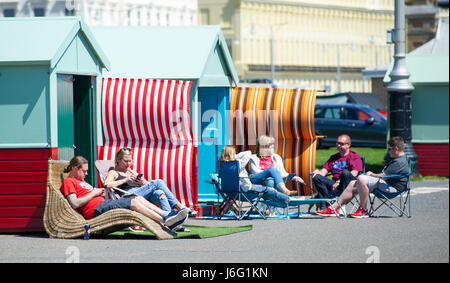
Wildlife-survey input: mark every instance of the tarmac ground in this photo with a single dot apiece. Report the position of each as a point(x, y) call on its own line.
point(422, 238)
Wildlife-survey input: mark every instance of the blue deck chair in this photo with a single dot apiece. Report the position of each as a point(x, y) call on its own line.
point(274, 205)
point(221, 197)
point(386, 199)
point(233, 197)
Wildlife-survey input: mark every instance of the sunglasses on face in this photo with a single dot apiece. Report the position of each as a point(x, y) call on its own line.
point(341, 143)
point(391, 147)
point(267, 145)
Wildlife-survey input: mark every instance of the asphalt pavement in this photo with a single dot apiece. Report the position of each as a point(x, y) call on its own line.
point(422, 238)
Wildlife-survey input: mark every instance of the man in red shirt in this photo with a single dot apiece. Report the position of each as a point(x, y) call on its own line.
point(90, 202)
point(345, 166)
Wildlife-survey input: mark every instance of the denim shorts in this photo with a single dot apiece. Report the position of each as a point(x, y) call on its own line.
point(111, 204)
point(377, 183)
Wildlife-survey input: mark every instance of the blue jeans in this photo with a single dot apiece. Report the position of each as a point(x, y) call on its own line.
point(153, 191)
point(270, 177)
point(110, 204)
point(324, 186)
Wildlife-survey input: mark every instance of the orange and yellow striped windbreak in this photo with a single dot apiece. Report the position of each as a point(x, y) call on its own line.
point(287, 115)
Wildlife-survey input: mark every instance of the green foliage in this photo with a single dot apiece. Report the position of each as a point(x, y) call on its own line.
point(374, 157)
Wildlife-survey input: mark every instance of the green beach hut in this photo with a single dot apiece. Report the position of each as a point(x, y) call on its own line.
point(429, 69)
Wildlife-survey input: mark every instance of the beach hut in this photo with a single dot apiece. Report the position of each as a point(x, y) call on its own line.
point(430, 112)
point(50, 69)
point(166, 97)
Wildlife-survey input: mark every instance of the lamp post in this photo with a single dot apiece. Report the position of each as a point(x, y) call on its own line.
point(400, 89)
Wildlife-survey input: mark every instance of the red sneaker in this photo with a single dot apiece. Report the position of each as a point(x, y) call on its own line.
point(360, 213)
point(326, 212)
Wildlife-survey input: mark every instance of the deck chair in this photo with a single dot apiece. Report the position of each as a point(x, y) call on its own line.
point(233, 196)
point(215, 181)
point(387, 199)
point(62, 221)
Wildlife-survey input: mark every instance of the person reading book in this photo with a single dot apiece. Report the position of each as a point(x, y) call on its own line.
point(130, 182)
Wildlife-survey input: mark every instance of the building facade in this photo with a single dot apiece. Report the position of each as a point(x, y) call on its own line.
point(108, 12)
point(422, 17)
point(323, 44)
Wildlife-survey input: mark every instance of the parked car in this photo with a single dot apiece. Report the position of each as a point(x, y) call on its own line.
point(365, 126)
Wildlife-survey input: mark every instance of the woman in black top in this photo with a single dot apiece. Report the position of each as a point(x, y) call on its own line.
point(123, 177)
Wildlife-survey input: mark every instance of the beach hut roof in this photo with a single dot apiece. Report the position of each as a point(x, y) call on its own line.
point(428, 64)
point(42, 40)
point(425, 69)
point(169, 52)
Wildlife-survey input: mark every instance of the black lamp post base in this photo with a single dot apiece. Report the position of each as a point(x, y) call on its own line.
point(400, 124)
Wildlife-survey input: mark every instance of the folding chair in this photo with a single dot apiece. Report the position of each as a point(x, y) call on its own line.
point(232, 194)
point(220, 195)
point(386, 199)
point(274, 205)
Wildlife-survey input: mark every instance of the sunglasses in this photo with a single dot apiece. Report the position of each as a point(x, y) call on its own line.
point(341, 143)
point(267, 145)
point(391, 147)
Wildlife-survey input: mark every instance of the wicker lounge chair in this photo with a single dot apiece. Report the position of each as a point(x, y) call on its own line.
point(62, 221)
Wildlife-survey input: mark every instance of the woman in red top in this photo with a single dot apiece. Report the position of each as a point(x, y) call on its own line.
point(267, 164)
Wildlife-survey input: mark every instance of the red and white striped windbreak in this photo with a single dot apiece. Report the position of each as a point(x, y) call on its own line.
point(152, 117)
